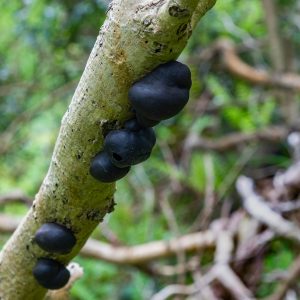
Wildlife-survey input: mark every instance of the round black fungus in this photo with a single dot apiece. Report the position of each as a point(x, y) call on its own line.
point(104, 170)
point(174, 73)
point(51, 274)
point(158, 102)
point(55, 238)
point(162, 93)
point(126, 148)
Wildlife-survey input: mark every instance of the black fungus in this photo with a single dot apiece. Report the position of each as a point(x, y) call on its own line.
point(55, 238)
point(126, 148)
point(51, 274)
point(162, 93)
point(104, 170)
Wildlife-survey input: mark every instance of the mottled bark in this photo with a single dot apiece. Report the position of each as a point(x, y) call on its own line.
point(136, 37)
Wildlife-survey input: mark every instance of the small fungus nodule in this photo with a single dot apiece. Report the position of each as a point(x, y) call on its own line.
point(51, 274)
point(104, 170)
point(55, 238)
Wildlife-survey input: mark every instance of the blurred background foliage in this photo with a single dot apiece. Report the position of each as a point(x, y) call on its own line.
point(44, 46)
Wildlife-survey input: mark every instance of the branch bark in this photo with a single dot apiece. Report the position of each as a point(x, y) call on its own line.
point(136, 37)
point(235, 65)
point(130, 255)
point(255, 205)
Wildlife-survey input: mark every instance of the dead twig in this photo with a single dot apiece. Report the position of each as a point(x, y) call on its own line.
point(233, 140)
point(15, 196)
point(236, 66)
point(134, 254)
point(149, 251)
point(255, 205)
point(8, 224)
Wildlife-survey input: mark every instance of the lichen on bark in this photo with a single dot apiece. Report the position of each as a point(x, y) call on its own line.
point(136, 37)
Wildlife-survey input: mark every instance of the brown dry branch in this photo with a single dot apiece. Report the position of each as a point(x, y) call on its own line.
point(269, 214)
point(233, 140)
point(220, 271)
point(133, 254)
point(274, 35)
point(8, 224)
point(294, 142)
point(286, 184)
point(286, 207)
point(282, 60)
point(236, 66)
point(223, 272)
point(15, 196)
point(187, 290)
point(205, 290)
point(173, 270)
point(149, 251)
point(286, 181)
point(256, 206)
point(253, 245)
point(230, 280)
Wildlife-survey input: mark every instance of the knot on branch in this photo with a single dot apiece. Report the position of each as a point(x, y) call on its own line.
point(178, 12)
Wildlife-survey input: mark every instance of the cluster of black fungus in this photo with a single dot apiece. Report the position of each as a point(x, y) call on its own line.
point(161, 94)
point(53, 238)
point(158, 96)
point(122, 149)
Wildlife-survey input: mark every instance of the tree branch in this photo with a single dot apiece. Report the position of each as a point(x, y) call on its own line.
point(69, 195)
point(255, 205)
point(232, 140)
point(130, 255)
point(238, 67)
point(15, 196)
point(149, 251)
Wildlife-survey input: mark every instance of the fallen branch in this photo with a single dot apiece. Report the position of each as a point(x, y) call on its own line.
point(15, 196)
point(235, 65)
point(223, 272)
point(8, 224)
point(133, 254)
point(149, 251)
point(187, 290)
point(255, 205)
point(288, 180)
point(227, 277)
point(271, 134)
